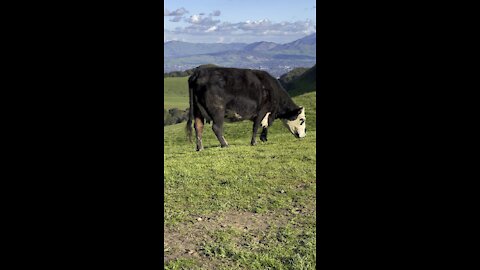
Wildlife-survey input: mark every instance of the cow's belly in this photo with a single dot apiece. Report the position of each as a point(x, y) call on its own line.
point(233, 116)
point(240, 110)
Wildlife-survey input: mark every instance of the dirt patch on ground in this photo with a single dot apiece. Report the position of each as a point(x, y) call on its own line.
point(185, 240)
point(188, 239)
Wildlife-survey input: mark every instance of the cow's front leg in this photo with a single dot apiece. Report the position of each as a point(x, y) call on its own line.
point(265, 124)
point(257, 122)
point(263, 136)
point(218, 130)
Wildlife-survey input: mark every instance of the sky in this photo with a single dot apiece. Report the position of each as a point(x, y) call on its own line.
point(245, 21)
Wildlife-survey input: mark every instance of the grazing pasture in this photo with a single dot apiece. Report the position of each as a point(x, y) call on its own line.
point(175, 93)
point(241, 207)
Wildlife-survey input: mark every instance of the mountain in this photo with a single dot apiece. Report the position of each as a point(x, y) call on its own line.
point(310, 40)
point(272, 57)
point(260, 46)
point(306, 45)
point(180, 48)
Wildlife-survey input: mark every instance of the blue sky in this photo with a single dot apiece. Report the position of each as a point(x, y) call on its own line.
point(210, 21)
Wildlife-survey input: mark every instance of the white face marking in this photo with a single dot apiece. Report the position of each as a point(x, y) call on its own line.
point(298, 125)
point(265, 120)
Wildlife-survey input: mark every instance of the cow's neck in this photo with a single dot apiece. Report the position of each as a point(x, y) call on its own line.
point(285, 105)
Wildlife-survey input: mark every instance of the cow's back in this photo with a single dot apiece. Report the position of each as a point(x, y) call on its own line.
point(227, 82)
point(232, 79)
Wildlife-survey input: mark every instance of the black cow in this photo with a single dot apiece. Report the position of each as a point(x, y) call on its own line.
point(234, 94)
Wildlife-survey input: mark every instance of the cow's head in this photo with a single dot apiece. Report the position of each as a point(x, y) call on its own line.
point(296, 123)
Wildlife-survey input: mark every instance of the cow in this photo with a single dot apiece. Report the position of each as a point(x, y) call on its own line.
point(218, 94)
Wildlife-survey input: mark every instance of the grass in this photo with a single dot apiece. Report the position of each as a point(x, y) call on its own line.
point(240, 207)
point(175, 93)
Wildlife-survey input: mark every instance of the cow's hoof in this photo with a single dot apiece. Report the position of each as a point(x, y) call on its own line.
point(199, 149)
point(224, 146)
point(253, 143)
point(263, 139)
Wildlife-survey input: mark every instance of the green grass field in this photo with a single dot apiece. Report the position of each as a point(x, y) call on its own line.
point(242, 207)
point(175, 93)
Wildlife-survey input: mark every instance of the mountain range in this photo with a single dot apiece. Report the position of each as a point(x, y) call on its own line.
point(272, 57)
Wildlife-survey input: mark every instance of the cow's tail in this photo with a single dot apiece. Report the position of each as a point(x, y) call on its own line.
point(188, 128)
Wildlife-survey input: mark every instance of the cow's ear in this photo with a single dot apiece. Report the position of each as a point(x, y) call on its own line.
point(292, 115)
point(300, 110)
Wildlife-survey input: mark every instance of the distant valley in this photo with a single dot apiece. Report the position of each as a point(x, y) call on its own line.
point(275, 58)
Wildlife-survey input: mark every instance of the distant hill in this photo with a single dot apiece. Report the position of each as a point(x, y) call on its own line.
point(260, 46)
point(272, 57)
point(292, 74)
point(304, 46)
point(180, 48)
point(306, 82)
point(310, 40)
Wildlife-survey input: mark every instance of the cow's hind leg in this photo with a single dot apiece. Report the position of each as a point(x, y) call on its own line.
point(199, 131)
point(218, 130)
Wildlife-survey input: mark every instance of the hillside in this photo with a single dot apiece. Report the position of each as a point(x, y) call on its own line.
point(175, 93)
point(304, 83)
point(292, 74)
point(241, 207)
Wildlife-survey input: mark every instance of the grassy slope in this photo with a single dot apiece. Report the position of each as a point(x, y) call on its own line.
point(175, 93)
point(275, 181)
point(304, 83)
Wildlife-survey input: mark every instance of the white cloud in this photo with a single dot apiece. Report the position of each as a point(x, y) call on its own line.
point(200, 20)
point(178, 12)
point(211, 29)
point(201, 25)
point(195, 19)
point(205, 28)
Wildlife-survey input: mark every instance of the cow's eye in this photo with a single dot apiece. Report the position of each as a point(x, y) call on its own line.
point(302, 121)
